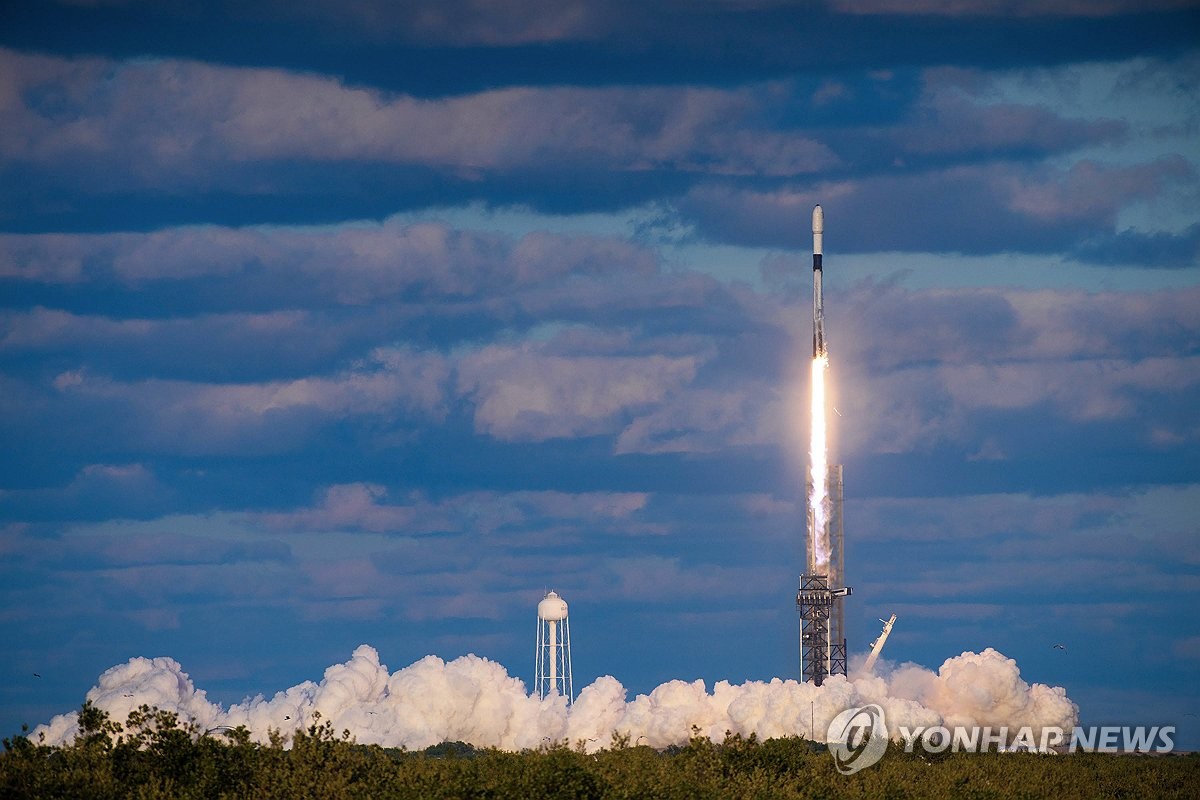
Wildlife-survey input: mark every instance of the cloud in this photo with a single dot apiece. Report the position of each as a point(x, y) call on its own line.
point(920, 409)
point(347, 506)
point(417, 22)
point(970, 209)
point(917, 369)
point(658, 578)
point(1024, 538)
point(959, 115)
point(524, 394)
point(96, 490)
point(168, 123)
point(711, 371)
point(364, 507)
point(502, 23)
point(1009, 8)
point(1188, 648)
point(1080, 391)
point(192, 417)
point(1143, 519)
point(706, 420)
point(1134, 248)
point(223, 346)
point(969, 326)
point(584, 380)
point(351, 264)
point(474, 700)
point(1090, 190)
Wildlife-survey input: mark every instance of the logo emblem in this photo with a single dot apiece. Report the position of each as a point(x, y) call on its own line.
point(857, 738)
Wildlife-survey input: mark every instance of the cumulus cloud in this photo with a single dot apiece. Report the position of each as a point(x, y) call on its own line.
point(474, 700)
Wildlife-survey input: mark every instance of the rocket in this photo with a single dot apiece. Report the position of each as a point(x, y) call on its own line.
point(818, 228)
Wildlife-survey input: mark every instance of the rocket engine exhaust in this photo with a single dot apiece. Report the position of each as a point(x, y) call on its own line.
point(818, 501)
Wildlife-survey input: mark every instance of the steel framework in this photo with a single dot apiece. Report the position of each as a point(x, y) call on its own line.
point(822, 617)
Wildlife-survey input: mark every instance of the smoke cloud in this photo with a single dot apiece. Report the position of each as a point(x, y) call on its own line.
point(474, 700)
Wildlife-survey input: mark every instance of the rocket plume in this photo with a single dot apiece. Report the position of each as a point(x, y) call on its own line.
point(818, 499)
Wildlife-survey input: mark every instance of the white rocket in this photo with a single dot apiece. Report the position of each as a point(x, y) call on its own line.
point(818, 228)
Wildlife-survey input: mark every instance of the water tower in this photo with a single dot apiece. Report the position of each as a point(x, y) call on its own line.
point(553, 673)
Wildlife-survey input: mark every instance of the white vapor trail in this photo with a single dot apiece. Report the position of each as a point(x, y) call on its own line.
point(474, 700)
point(818, 500)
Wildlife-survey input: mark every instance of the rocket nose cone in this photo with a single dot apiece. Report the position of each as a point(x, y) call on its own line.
point(818, 220)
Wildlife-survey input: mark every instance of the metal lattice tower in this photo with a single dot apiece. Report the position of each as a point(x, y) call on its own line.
point(822, 617)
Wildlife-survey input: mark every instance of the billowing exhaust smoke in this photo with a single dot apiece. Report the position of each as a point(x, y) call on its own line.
point(474, 700)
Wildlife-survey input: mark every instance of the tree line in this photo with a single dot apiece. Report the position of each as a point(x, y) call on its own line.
point(153, 754)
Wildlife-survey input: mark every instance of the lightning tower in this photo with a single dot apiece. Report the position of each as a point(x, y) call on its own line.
point(822, 618)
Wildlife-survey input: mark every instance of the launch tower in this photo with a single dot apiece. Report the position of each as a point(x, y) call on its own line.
point(822, 617)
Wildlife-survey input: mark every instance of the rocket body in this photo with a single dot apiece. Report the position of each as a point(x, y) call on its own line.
point(818, 229)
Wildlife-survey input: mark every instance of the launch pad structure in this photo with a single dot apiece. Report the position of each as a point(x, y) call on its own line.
point(822, 586)
point(822, 616)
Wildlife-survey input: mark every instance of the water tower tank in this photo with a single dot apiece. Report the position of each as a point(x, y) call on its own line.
point(552, 607)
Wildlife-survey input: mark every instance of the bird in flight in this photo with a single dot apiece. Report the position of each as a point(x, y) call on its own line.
point(1062, 647)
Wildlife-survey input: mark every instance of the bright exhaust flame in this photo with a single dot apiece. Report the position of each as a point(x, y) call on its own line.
point(818, 500)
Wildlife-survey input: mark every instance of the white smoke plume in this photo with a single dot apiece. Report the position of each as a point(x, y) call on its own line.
point(818, 499)
point(474, 700)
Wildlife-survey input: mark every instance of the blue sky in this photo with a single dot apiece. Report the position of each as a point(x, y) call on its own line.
point(335, 323)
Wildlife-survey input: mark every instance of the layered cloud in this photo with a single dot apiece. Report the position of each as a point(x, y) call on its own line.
point(524, 394)
point(1039, 210)
point(190, 417)
point(997, 8)
point(914, 369)
point(737, 162)
point(365, 507)
point(350, 264)
point(181, 118)
point(1081, 357)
